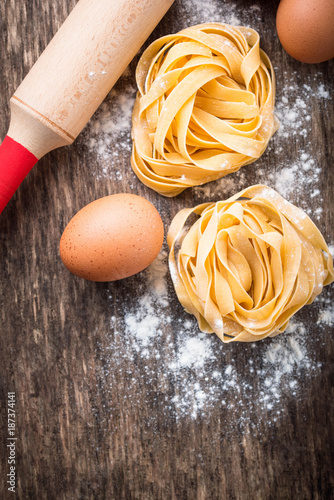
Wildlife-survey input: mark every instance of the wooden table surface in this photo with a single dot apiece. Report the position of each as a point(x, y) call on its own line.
point(105, 411)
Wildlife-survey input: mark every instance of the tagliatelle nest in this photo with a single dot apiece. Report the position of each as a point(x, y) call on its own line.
point(205, 106)
point(248, 264)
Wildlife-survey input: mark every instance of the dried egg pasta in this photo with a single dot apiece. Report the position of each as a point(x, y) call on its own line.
point(247, 264)
point(205, 106)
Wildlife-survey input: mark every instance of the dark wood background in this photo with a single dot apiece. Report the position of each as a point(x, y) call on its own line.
point(77, 440)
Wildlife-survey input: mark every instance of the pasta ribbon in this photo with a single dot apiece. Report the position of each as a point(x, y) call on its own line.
point(204, 108)
point(247, 264)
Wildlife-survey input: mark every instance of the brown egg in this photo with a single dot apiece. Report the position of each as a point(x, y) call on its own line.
point(112, 238)
point(306, 29)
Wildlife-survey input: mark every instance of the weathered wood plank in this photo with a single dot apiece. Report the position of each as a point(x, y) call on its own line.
point(97, 418)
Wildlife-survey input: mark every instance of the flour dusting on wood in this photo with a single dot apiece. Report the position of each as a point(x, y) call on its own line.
point(192, 374)
point(195, 372)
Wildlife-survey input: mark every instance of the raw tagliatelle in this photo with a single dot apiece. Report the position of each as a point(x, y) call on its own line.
point(247, 264)
point(205, 106)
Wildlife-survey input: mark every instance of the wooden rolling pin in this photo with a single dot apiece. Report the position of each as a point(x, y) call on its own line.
point(70, 80)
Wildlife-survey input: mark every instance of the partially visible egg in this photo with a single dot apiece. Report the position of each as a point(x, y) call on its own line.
point(306, 29)
point(112, 238)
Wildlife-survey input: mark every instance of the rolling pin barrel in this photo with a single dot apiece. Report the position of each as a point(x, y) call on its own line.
point(70, 80)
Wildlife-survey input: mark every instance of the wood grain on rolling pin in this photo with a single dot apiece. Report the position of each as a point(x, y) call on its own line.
point(79, 67)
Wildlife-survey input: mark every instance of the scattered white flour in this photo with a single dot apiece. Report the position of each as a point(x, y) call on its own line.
point(287, 353)
point(108, 134)
point(326, 317)
point(201, 11)
point(303, 174)
point(194, 352)
point(326, 309)
point(194, 373)
point(190, 373)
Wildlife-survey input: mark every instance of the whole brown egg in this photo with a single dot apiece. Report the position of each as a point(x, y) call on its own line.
point(112, 238)
point(306, 29)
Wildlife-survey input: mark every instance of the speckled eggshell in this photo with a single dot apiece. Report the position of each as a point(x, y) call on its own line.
point(112, 238)
point(306, 29)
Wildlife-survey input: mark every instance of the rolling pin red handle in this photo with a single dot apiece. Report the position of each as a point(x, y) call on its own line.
point(16, 161)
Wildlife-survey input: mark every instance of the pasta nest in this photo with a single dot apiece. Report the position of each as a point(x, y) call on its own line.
point(204, 108)
point(247, 264)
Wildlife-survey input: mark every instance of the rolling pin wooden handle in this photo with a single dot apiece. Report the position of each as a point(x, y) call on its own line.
point(72, 77)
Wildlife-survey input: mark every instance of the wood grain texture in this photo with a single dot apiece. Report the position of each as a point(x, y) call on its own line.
point(78, 67)
point(85, 430)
